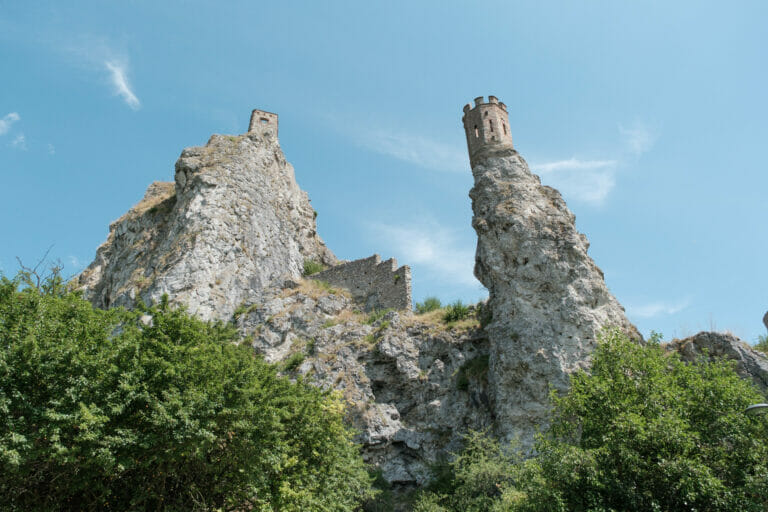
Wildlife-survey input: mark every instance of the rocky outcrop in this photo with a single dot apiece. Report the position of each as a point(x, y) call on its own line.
point(547, 297)
point(413, 384)
point(233, 225)
point(750, 363)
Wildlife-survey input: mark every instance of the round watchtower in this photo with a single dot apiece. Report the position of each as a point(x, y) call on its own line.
point(263, 121)
point(486, 124)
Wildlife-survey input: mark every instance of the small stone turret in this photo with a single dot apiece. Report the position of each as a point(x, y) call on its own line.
point(262, 121)
point(486, 125)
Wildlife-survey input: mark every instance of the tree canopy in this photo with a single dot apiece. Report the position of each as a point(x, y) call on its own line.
point(641, 431)
point(100, 410)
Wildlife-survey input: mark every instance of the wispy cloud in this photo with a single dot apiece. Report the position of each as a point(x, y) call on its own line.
point(657, 308)
point(416, 149)
point(433, 246)
point(51, 149)
point(19, 142)
point(638, 138)
point(584, 180)
point(7, 121)
point(118, 77)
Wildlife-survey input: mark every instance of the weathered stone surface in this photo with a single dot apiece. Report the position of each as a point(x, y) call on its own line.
point(401, 375)
point(548, 298)
point(750, 363)
point(233, 224)
point(374, 284)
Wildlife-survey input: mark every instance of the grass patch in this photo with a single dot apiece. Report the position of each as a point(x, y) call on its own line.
point(474, 369)
point(429, 304)
point(762, 344)
point(243, 309)
point(312, 267)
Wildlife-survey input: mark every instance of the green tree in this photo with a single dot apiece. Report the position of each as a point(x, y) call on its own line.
point(642, 431)
point(99, 411)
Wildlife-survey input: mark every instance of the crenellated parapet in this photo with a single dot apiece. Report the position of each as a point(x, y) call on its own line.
point(486, 125)
point(374, 284)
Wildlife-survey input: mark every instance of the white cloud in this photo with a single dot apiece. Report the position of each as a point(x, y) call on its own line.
point(416, 149)
point(19, 142)
point(657, 308)
point(120, 84)
point(638, 139)
point(583, 180)
point(51, 149)
point(433, 246)
point(7, 121)
point(75, 262)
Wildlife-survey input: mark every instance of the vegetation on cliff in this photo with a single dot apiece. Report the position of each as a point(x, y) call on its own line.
point(642, 431)
point(155, 409)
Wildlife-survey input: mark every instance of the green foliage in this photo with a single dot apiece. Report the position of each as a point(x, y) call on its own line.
point(474, 480)
point(312, 267)
point(456, 311)
point(474, 369)
point(101, 412)
point(642, 431)
point(429, 304)
point(293, 361)
point(376, 315)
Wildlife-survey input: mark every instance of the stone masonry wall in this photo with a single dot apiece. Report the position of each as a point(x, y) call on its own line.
point(373, 284)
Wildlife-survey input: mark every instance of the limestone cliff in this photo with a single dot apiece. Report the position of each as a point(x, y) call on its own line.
point(547, 297)
point(233, 224)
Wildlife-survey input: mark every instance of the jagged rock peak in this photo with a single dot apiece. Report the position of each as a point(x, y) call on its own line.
point(233, 224)
point(548, 298)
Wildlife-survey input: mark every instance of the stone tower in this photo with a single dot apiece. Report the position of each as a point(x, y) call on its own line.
point(486, 125)
point(263, 121)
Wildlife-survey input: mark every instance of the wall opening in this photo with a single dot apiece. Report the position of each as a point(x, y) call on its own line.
point(505, 128)
point(477, 132)
point(264, 120)
point(490, 123)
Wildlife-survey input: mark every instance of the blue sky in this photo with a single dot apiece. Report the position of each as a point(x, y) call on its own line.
point(650, 117)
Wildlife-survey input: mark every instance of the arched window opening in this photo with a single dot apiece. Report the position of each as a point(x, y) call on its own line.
point(477, 132)
point(490, 123)
point(505, 128)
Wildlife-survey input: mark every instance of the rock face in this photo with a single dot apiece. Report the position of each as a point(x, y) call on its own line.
point(414, 385)
point(547, 297)
point(233, 224)
point(750, 363)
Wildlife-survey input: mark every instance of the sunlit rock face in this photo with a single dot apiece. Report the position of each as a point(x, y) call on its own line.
point(233, 224)
point(548, 298)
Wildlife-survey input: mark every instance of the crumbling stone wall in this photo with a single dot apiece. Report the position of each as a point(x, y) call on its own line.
point(373, 283)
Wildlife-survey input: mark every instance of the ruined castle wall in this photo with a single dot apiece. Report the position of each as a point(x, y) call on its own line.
point(373, 283)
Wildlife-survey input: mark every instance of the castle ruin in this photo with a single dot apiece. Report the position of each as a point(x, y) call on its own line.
point(374, 284)
point(261, 120)
point(487, 124)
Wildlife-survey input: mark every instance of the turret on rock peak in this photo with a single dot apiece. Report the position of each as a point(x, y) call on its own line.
point(233, 224)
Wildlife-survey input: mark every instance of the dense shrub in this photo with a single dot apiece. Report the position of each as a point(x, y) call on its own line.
point(429, 304)
point(99, 411)
point(312, 267)
point(456, 311)
point(642, 431)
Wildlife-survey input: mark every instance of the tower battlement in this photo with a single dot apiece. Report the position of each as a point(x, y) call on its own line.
point(262, 121)
point(486, 124)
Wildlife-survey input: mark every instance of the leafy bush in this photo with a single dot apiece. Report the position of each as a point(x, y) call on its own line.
point(312, 267)
point(642, 431)
point(293, 361)
point(456, 311)
point(429, 304)
point(101, 412)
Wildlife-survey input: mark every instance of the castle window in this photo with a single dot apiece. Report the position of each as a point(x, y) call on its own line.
point(505, 128)
point(477, 132)
point(490, 123)
point(264, 120)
